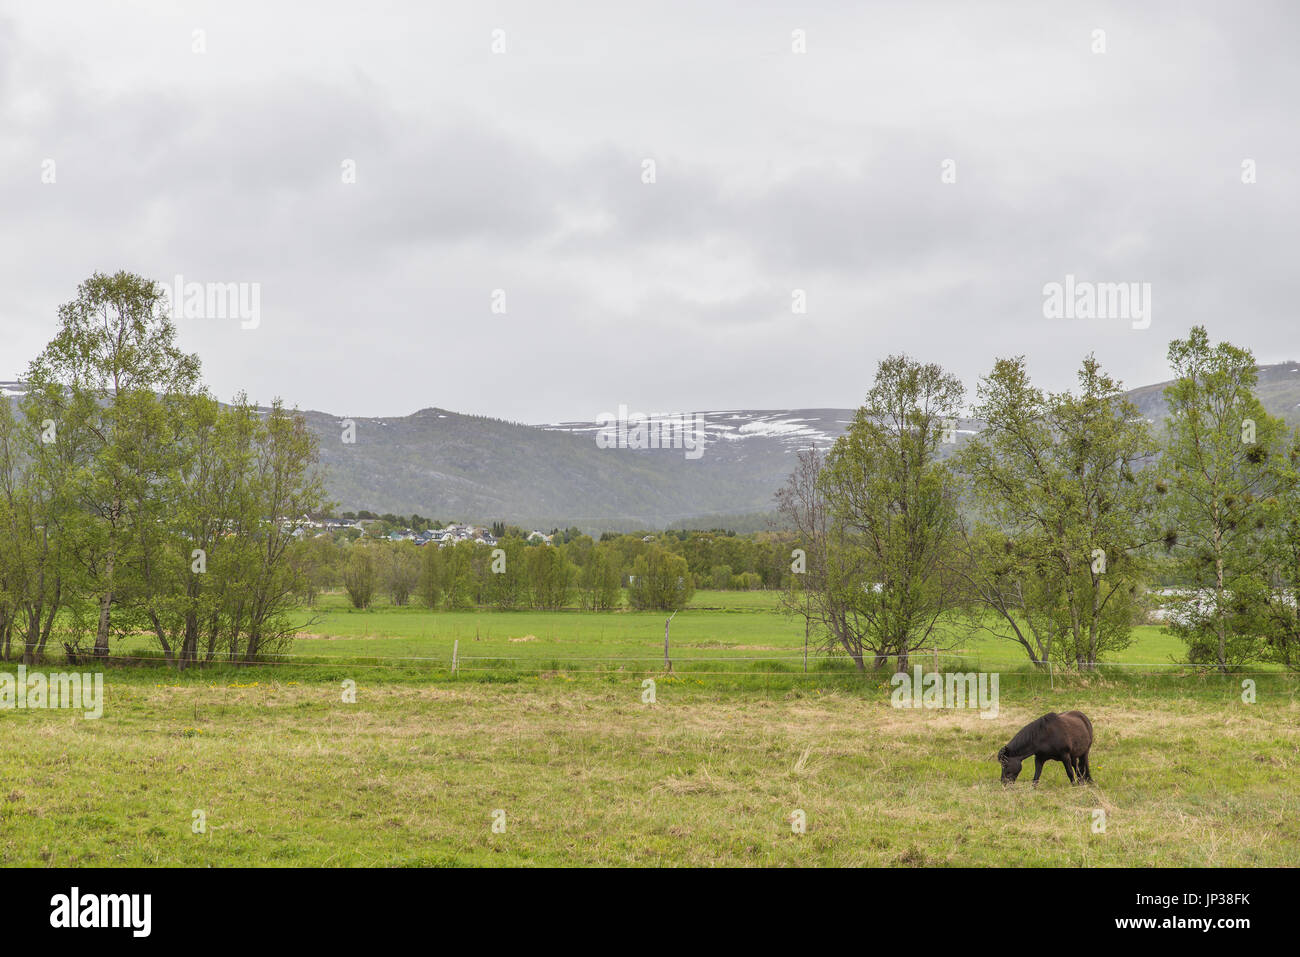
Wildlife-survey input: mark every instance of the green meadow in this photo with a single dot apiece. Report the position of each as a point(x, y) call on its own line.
point(546, 730)
point(719, 630)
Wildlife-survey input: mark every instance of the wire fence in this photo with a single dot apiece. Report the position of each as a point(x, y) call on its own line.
point(817, 666)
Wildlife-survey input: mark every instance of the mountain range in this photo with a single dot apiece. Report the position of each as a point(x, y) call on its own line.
point(454, 466)
point(451, 465)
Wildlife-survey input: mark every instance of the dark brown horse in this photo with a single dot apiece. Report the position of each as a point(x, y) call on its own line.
point(1053, 737)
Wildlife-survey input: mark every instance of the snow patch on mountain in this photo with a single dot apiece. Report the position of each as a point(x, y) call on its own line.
point(797, 428)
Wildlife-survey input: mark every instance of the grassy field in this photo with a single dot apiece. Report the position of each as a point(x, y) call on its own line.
point(732, 631)
point(288, 773)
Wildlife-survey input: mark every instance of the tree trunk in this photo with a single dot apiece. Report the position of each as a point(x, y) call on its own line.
point(1218, 610)
point(162, 638)
point(49, 620)
point(106, 602)
point(1094, 626)
point(32, 638)
point(190, 642)
point(105, 606)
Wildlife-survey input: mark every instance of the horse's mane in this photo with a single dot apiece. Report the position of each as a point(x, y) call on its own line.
point(1027, 734)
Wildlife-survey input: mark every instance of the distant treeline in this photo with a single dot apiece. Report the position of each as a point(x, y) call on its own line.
point(741, 524)
point(659, 571)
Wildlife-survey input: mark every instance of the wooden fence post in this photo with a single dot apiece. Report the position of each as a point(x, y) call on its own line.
point(455, 655)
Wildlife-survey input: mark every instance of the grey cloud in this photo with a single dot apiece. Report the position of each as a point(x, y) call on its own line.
point(772, 175)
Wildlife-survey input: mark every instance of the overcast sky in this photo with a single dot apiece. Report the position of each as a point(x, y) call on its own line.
point(523, 171)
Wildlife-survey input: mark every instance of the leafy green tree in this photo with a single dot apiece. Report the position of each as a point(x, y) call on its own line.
point(432, 573)
point(1011, 590)
point(507, 585)
point(459, 585)
point(181, 501)
point(551, 578)
point(40, 528)
point(822, 587)
point(216, 509)
point(359, 576)
point(1274, 599)
point(1222, 469)
point(114, 339)
point(399, 570)
point(286, 485)
point(315, 559)
point(600, 583)
point(1060, 480)
point(660, 581)
point(891, 504)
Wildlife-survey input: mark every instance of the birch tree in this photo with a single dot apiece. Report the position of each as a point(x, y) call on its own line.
point(114, 339)
point(1060, 484)
point(878, 519)
point(1222, 471)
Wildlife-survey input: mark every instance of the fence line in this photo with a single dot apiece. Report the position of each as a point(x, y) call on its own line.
point(1203, 672)
point(530, 664)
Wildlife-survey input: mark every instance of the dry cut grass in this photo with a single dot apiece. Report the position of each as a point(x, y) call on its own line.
point(287, 773)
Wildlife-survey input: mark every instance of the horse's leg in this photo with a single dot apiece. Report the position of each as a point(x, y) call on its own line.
point(1038, 769)
point(1084, 768)
point(1068, 761)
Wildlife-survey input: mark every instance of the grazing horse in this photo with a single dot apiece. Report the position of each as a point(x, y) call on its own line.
point(1053, 737)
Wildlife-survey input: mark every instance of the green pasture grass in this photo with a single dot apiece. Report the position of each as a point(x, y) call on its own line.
point(718, 631)
point(287, 773)
point(545, 720)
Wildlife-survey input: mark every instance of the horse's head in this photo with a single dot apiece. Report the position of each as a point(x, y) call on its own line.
point(1010, 766)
